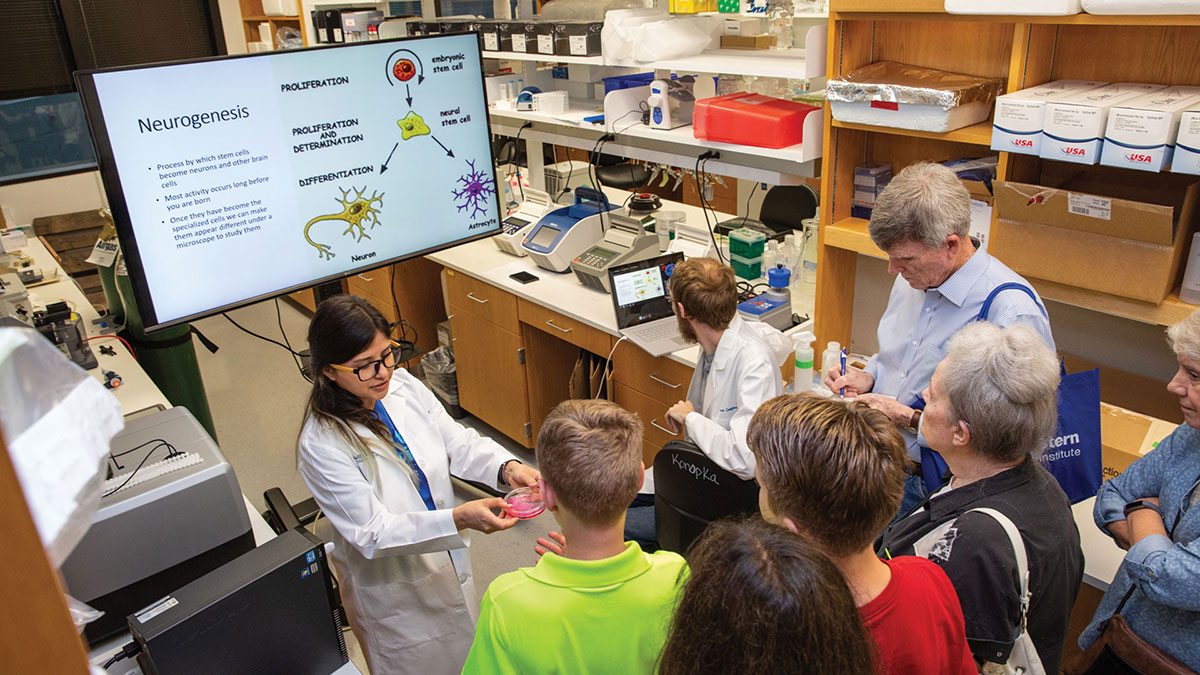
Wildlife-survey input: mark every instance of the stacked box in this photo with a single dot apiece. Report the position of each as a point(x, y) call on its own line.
point(746, 249)
point(1141, 132)
point(488, 33)
point(1018, 122)
point(1073, 129)
point(577, 38)
point(1187, 145)
point(869, 181)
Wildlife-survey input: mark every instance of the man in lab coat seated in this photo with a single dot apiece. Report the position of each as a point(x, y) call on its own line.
point(737, 371)
point(922, 222)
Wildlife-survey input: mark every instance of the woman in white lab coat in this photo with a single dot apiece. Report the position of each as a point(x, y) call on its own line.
point(377, 450)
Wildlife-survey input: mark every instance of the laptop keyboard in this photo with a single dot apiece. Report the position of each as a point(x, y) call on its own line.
point(657, 331)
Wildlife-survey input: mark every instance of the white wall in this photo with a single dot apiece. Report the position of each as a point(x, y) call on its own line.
point(53, 196)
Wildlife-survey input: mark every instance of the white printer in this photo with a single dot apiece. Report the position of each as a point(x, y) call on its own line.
point(564, 233)
point(518, 224)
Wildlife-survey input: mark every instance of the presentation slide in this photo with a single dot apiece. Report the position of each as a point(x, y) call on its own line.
point(243, 177)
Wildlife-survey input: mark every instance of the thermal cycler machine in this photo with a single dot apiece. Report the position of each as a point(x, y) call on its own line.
point(626, 241)
point(534, 205)
point(564, 233)
point(171, 512)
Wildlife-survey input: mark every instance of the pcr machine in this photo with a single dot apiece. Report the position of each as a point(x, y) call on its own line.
point(564, 233)
point(514, 228)
point(171, 512)
point(625, 241)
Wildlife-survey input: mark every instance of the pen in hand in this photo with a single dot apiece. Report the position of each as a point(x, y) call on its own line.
point(843, 391)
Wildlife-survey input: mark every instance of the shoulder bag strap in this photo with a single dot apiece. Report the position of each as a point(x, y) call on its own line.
point(1018, 545)
point(1009, 285)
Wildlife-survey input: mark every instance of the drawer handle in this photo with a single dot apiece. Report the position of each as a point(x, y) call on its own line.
point(367, 279)
point(658, 426)
point(558, 328)
point(673, 386)
point(482, 302)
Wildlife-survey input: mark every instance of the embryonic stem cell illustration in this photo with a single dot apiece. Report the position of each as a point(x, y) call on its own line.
point(476, 186)
point(354, 212)
point(412, 125)
point(404, 70)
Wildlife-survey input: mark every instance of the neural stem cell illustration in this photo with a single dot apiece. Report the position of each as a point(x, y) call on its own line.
point(412, 125)
point(356, 210)
point(474, 188)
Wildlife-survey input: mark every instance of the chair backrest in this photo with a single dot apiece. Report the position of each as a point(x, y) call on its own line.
point(784, 206)
point(691, 491)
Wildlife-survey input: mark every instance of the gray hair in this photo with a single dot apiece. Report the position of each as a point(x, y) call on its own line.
point(1184, 337)
point(1003, 382)
point(925, 203)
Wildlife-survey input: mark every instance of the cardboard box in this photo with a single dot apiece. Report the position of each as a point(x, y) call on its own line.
point(543, 39)
point(1126, 435)
point(1141, 132)
point(1118, 246)
point(577, 38)
point(1017, 124)
point(747, 41)
point(488, 33)
point(1187, 145)
point(1073, 129)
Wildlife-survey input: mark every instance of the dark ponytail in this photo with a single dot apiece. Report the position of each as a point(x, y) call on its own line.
point(341, 328)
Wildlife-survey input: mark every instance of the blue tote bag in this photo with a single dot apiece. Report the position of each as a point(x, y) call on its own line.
point(1073, 455)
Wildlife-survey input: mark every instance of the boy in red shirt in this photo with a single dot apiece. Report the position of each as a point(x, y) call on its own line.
point(833, 473)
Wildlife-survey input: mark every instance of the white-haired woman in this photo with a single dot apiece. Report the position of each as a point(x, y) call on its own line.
point(1153, 510)
point(991, 409)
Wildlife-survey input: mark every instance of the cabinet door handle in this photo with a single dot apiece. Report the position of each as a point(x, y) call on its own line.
point(367, 279)
point(558, 328)
point(482, 302)
point(658, 426)
point(673, 386)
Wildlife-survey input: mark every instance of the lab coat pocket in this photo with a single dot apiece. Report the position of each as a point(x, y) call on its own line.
point(424, 603)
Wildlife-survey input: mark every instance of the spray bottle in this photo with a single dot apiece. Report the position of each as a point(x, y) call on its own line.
point(802, 380)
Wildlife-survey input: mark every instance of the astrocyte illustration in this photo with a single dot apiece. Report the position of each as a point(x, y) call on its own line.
point(475, 187)
point(355, 211)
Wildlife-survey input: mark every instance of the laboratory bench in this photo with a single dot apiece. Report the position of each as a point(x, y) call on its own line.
point(516, 345)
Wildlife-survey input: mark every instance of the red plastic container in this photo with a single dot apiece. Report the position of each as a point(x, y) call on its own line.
point(751, 119)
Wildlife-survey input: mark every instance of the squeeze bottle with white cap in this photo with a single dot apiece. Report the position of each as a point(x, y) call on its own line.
point(831, 357)
point(802, 380)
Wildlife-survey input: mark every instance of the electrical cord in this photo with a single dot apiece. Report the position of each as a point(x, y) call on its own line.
point(608, 360)
point(113, 335)
point(171, 452)
point(260, 337)
point(704, 157)
point(517, 155)
point(130, 649)
point(114, 455)
point(282, 332)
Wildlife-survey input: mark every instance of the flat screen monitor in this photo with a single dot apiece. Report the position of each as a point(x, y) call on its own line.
point(236, 179)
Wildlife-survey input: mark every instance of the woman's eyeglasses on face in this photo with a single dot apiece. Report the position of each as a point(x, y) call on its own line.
point(370, 369)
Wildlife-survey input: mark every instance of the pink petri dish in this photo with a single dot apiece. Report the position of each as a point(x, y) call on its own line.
point(525, 503)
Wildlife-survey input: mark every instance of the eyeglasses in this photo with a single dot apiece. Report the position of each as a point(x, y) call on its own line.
point(370, 370)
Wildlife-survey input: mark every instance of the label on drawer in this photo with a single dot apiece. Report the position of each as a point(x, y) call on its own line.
point(1090, 205)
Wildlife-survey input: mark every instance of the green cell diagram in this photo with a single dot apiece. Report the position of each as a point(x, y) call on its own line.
point(354, 212)
point(412, 125)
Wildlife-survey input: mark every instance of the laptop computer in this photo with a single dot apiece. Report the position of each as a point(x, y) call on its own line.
point(640, 299)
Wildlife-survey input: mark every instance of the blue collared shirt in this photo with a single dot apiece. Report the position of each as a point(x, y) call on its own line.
point(1165, 608)
point(917, 325)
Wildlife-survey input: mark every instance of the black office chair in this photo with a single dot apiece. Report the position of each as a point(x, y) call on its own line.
point(784, 206)
point(691, 491)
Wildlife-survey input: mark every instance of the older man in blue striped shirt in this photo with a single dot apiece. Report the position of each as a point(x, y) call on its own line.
point(922, 220)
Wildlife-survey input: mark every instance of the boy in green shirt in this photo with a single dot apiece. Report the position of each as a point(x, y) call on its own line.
point(601, 605)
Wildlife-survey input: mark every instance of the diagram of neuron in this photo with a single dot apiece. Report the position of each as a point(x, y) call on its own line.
point(357, 210)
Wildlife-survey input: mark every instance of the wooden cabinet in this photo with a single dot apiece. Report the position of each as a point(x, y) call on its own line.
point(490, 357)
point(648, 386)
point(655, 432)
point(564, 328)
point(1025, 51)
point(253, 15)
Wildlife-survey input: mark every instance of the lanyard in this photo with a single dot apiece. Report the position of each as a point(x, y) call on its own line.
point(406, 455)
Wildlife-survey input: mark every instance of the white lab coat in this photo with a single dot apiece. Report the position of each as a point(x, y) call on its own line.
point(404, 570)
point(744, 374)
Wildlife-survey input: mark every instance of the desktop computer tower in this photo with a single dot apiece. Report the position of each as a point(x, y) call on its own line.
point(272, 610)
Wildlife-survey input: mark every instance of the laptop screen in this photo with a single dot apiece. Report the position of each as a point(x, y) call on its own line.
point(639, 290)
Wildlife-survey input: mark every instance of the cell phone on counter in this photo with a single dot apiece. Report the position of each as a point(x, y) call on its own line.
point(523, 277)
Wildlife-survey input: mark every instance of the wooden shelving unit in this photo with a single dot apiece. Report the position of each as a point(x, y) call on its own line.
point(1024, 50)
point(253, 15)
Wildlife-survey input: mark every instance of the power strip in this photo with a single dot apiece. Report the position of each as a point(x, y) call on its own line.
point(152, 471)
